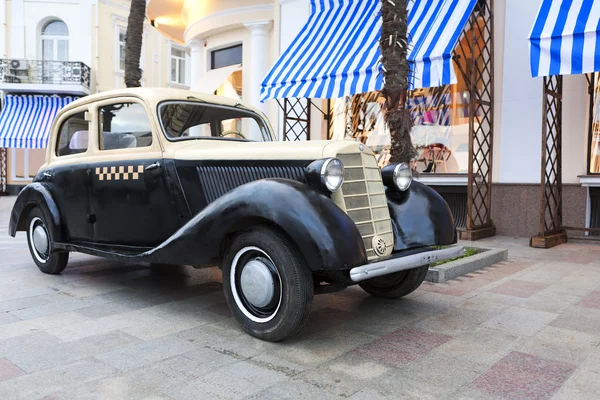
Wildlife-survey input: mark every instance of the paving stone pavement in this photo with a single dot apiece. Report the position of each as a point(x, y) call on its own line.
point(526, 328)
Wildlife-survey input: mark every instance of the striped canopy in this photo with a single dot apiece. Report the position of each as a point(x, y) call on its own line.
point(25, 120)
point(565, 38)
point(336, 53)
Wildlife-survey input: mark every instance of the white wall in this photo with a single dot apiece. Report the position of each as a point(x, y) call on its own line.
point(28, 16)
point(227, 39)
point(294, 14)
point(521, 118)
point(521, 104)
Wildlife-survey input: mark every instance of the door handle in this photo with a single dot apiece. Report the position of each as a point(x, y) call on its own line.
point(152, 166)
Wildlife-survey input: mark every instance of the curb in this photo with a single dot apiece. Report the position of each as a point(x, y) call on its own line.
point(484, 258)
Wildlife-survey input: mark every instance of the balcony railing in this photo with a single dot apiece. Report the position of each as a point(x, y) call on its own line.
point(44, 72)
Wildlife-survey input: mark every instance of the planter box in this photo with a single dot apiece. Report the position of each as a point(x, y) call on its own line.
point(450, 270)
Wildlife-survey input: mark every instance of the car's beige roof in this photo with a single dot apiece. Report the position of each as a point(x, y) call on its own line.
point(156, 95)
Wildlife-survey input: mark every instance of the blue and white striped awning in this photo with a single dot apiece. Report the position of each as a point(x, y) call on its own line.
point(565, 38)
point(336, 53)
point(25, 120)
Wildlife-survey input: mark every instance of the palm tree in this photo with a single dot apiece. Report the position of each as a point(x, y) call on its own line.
point(396, 70)
point(133, 43)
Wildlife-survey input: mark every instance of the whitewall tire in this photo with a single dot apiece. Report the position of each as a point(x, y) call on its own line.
point(39, 240)
point(267, 284)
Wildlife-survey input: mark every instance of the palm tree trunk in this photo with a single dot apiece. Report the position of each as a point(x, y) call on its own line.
point(396, 70)
point(133, 43)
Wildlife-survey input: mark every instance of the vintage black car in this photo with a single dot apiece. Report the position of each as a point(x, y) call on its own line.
point(176, 177)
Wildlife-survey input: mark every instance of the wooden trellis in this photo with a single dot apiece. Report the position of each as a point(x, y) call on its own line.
point(478, 73)
point(551, 231)
point(3, 171)
point(296, 119)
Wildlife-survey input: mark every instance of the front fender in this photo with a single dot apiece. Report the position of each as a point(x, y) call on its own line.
point(420, 217)
point(324, 234)
point(36, 194)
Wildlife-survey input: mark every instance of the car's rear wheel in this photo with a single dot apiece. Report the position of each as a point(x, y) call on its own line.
point(398, 284)
point(40, 245)
point(267, 284)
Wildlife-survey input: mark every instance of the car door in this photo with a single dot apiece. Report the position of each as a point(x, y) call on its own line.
point(129, 197)
point(67, 174)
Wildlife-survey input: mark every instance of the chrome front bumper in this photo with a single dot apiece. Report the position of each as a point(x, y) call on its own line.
point(401, 263)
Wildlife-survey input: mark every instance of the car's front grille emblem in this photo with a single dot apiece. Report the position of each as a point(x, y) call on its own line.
point(379, 245)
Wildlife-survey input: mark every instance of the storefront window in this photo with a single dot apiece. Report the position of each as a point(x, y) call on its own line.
point(440, 115)
point(440, 134)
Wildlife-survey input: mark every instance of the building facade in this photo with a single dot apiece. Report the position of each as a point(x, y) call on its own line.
point(69, 49)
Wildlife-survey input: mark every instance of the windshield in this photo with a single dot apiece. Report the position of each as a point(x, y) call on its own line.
point(185, 120)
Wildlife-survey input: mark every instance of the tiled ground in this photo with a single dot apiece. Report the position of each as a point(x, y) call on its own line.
point(527, 328)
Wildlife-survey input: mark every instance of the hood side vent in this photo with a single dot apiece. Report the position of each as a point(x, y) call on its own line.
point(218, 180)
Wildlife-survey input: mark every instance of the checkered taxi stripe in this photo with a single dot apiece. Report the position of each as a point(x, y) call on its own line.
point(130, 172)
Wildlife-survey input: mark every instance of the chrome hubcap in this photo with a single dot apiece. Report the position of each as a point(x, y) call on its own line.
point(257, 283)
point(40, 241)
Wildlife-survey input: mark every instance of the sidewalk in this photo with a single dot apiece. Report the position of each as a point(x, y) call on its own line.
point(526, 328)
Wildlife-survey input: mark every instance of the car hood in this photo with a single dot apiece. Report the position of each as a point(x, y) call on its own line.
point(234, 150)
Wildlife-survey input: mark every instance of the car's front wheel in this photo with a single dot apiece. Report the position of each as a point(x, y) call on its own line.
point(40, 245)
point(267, 284)
point(398, 284)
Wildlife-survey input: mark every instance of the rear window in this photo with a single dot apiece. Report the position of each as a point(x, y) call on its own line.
point(73, 136)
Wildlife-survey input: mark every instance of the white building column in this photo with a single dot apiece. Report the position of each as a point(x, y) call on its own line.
point(3, 34)
point(196, 72)
point(84, 51)
point(260, 59)
point(17, 29)
point(196, 61)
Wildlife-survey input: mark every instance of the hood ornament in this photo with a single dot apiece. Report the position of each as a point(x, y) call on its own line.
point(361, 147)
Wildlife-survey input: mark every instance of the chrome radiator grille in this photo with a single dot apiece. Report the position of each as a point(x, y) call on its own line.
point(365, 202)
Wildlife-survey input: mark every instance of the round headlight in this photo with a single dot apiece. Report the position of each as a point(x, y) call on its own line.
point(332, 174)
point(402, 176)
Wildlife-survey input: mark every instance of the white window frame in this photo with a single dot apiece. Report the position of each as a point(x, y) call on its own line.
point(55, 39)
point(184, 59)
point(118, 30)
point(123, 29)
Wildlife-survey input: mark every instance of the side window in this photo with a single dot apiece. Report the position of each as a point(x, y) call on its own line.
point(124, 126)
point(73, 136)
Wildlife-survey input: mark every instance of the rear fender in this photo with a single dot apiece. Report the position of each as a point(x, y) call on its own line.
point(36, 195)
